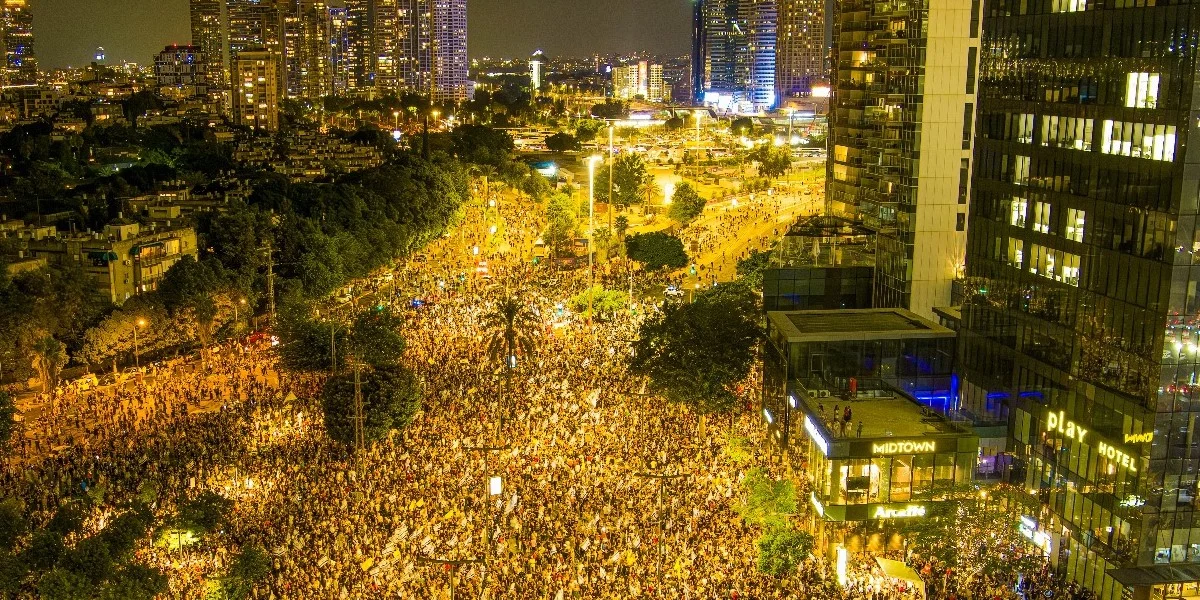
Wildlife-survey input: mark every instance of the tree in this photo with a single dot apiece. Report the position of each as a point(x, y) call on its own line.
point(750, 269)
point(8, 414)
point(769, 503)
point(203, 514)
point(49, 358)
point(13, 524)
point(562, 142)
point(674, 123)
point(686, 204)
point(249, 567)
point(64, 584)
point(585, 131)
point(536, 186)
point(656, 250)
point(742, 126)
point(375, 337)
point(513, 326)
point(697, 354)
point(135, 582)
point(139, 104)
point(610, 110)
point(629, 178)
point(481, 145)
point(782, 549)
point(772, 161)
point(199, 290)
point(604, 302)
point(560, 224)
point(391, 398)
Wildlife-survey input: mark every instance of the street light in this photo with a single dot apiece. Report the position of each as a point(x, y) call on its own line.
point(592, 227)
point(137, 360)
point(241, 301)
point(395, 119)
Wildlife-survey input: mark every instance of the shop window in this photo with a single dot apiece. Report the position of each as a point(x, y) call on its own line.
point(901, 480)
point(1075, 224)
point(1141, 90)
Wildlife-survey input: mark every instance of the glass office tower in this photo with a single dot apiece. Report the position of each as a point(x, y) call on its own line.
point(1080, 322)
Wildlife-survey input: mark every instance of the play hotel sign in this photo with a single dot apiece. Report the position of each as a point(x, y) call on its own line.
point(1057, 422)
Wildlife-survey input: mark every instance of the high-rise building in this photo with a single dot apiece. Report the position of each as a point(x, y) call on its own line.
point(800, 49)
point(900, 139)
point(537, 67)
point(210, 35)
point(341, 50)
point(307, 49)
point(256, 93)
point(183, 69)
point(450, 65)
point(656, 87)
point(733, 60)
point(639, 80)
point(16, 29)
point(1079, 322)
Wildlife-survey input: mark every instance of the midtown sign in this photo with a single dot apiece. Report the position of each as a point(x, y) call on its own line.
point(904, 447)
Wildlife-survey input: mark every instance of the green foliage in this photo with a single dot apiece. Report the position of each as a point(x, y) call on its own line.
point(560, 224)
point(49, 358)
point(586, 131)
point(782, 549)
point(204, 514)
point(656, 250)
point(674, 124)
point(249, 567)
point(773, 161)
point(629, 179)
point(512, 326)
point(67, 520)
point(45, 548)
point(562, 142)
point(604, 302)
point(64, 584)
point(536, 186)
point(135, 582)
point(742, 126)
point(8, 413)
point(375, 338)
point(13, 524)
point(750, 269)
point(611, 110)
point(13, 571)
point(481, 145)
point(696, 354)
point(768, 503)
point(621, 225)
point(686, 204)
point(391, 398)
point(738, 448)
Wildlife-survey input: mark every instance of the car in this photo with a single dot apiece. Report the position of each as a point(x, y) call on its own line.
point(673, 291)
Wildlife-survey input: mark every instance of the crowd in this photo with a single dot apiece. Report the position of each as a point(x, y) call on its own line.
point(560, 479)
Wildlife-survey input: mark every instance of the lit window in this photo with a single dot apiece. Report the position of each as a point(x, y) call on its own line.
point(1075, 223)
point(1024, 128)
point(1061, 6)
point(1016, 252)
point(1020, 208)
point(1020, 171)
point(1067, 132)
point(1041, 217)
point(1139, 140)
point(1141, 90)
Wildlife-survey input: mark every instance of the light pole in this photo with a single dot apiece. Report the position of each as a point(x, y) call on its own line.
point(241, 301)
point(395, 119)
point(591, 229)
point(137, 360)
point(611, 165)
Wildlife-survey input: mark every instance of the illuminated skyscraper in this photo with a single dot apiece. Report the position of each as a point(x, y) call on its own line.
point(800, 47)
point(16, 27)
point(537, 74)
point(733, 61)
point(341, 50)
point(210, 35)
point(450, 66)
point(255, 96)
point(307, 49)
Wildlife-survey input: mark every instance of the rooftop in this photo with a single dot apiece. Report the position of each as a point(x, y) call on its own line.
point(881, 418)
point(854, 325)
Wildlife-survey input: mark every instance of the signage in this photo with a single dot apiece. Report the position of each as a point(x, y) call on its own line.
point(1058, 422)
point(816, 435)
point(1139, 438)
point(904, 447)
point(1118, 457)
point(907, 512)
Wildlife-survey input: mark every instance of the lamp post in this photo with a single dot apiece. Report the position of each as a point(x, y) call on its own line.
point(241, 301)
point(137, 360)
point(395, 119)
point(611, 164)
point(591, 229)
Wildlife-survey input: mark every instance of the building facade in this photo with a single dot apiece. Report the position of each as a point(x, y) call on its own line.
point(450, 65)
point(210, 33)
point(1080, 321)
point(800, 48)
point(901, 121)
point(16, 29)
point(537, 70)
point(255, 93)
point(182, 68)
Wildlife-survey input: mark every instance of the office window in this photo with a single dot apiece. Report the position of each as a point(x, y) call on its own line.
point(1139, 140)
point(1067, 132)
point(1024, 128)
point(1016, 252)
point(968, 125)
point(1141, 90)
point(1074, 224)
point(1041, 217)
point(1061, 6)
point(1054, 264)
point(1020, 208)
point(1020, 170)
point(962, 222)
point(972, 65)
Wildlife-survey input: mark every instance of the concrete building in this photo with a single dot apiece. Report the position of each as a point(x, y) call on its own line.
point(120, 262)
point(733, 60)
point(450, 66)
point(16, 40)
point(256, 95)
point(210, 34)
point(183, 70)
point(901, 122)
point(308, 50)
point(801, 49)
point(537, 70)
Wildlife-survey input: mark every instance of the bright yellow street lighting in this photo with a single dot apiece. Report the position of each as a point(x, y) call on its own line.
point(592, 226)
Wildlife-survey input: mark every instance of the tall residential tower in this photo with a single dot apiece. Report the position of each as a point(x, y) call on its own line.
point(16, 36)
point(800, 49)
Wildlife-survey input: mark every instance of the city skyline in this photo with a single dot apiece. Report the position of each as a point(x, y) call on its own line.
point(69, 31)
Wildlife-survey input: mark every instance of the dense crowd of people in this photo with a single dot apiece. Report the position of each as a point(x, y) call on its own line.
point(558, 479)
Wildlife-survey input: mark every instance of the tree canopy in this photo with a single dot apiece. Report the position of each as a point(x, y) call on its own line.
point(391, 397)
point(656, 250)
point(686, 204)
point(697, 354)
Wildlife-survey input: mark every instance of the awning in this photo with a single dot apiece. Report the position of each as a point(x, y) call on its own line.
point(102, 255)
point(898, 570)
point(1156, 575)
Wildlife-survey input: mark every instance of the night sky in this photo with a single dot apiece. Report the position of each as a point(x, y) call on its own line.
point(68, 31)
